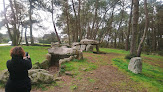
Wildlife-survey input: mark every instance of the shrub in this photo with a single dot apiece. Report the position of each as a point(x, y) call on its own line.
point(160, 52)
point(129, 56)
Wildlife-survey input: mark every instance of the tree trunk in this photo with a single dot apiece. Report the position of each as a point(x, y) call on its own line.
point(134, 26)
point(94, 20)
point(14, 39)
point(21, 36)
point(154, 35)
point(54, 23)
point(6, 22)
point(76, 22)
point(30, 22)
point(115, 40)
point(26, 40)
point(145, 30)
point(129, 28)
point(79, 26)
point(67, 17)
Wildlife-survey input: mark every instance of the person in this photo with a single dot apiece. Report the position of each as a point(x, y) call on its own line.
point(18, 68)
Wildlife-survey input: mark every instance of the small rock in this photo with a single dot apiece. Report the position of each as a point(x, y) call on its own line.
point(84, 69)
point(45, 64)
point(91, 72)
point(58, 78)
point(91, 90)
point(37, 65)
point(96, 87)
point(68, 73)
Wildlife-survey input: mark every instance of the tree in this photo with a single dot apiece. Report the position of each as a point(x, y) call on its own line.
point(26, 39)
point(1, 38)
point(13, 20)
point(145, 30)
point(67, 20)
point(54, 23)
point(129, 28)
point(30, 20)
point(134, 27)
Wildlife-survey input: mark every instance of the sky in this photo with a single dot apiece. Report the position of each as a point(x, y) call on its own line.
point(36, 32)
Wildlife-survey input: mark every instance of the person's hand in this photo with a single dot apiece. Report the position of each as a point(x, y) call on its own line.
point(26, 56)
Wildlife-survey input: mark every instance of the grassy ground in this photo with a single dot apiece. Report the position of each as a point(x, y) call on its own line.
point(37, 53)
point(152, 73)
point(151, 77)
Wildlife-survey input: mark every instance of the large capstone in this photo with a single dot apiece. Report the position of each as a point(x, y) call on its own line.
point(58, 53)
point(89, 41)
point(135, 65)
point(37, 76)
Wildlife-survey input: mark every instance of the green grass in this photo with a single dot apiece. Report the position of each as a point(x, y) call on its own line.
point(72, 87)
point(37, 53)
point(91, 80)
point(119, 51)
point(151, 76)
point(77, 65)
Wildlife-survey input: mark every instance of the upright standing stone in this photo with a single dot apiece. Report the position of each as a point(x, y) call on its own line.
point(135, 65)
point(82, 47)
point(76, 45)
point(48, 57)
point(89, 48)
point(79, 55)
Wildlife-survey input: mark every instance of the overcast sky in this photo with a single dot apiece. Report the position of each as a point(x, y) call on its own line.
point(47, 23)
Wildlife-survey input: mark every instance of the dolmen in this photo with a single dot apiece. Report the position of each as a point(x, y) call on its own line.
point(59, 54)
point(86, 45)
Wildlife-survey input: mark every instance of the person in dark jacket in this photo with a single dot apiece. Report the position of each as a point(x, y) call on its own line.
point(18, 68)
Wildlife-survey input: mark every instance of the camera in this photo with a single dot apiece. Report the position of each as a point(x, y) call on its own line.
point(26, 53)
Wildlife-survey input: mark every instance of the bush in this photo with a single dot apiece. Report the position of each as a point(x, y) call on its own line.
point(160, 52)
point(129, 56)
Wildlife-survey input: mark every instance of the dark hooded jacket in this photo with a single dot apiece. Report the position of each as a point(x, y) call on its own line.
point(18, 80)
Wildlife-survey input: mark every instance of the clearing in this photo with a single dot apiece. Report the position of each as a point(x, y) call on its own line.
point(107, 73)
